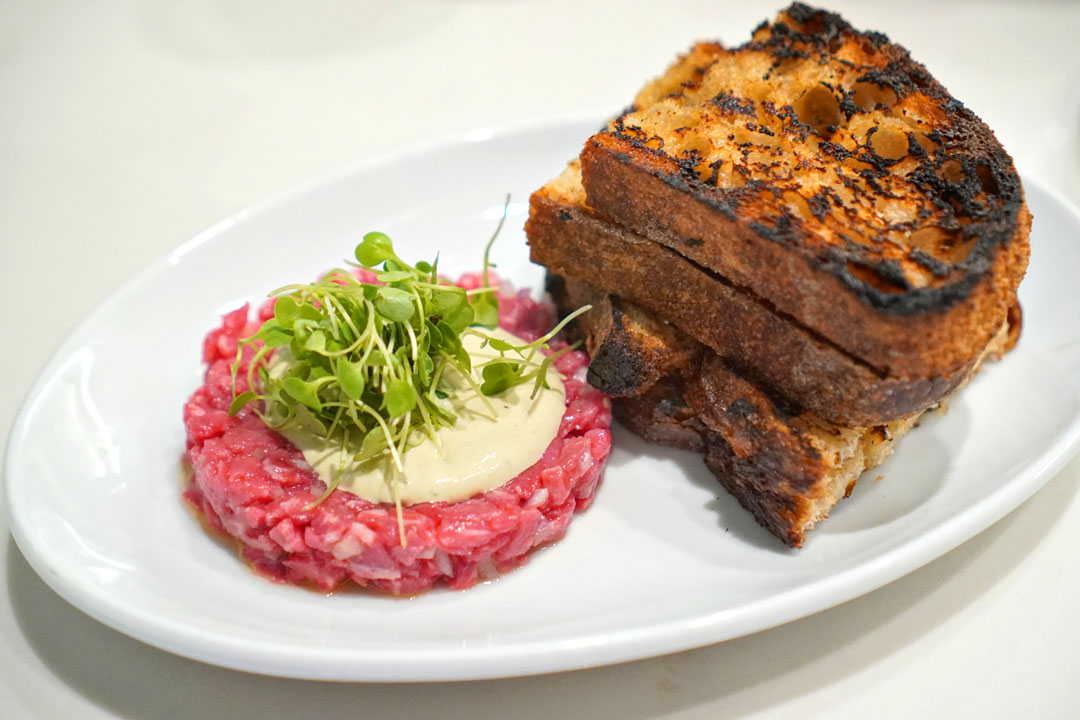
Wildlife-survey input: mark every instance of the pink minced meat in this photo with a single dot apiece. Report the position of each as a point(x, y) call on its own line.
point(251, 483)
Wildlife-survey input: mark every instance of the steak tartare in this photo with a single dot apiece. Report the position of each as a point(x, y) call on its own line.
point(251, 483)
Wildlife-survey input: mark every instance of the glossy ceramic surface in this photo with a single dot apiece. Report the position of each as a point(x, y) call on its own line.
point(663, 561)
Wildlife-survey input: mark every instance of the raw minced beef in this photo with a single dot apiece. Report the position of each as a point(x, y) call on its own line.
point(251, 483)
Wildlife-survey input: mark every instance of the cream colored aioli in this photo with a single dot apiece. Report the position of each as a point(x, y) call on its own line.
point(478, 453)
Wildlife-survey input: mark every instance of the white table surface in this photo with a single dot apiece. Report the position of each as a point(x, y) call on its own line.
point(127, 127)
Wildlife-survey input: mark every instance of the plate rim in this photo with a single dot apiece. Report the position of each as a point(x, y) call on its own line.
point(623, 645)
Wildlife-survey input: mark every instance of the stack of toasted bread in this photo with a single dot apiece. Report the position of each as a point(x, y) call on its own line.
point(793, 249)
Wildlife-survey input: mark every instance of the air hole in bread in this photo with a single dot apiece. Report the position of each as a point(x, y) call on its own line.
point(691, 142)
point(856, 164)
point(868, 95)
point(869, 275)
point(957, 249)
point(952, 171)
point(928, 239)
point(655, 142)
point(927, 144)
point(945, 245)
point(819, 108)
point(889, 143)
point(986, 179)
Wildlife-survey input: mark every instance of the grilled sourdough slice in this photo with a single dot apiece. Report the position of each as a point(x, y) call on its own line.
point(826, 173)
point(788, 468)
point(571, 239)
point(629, 350)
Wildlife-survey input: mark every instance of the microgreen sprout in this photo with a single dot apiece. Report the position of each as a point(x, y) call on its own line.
point(364, 363)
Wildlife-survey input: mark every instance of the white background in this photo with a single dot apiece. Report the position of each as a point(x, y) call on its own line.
point(127, 127)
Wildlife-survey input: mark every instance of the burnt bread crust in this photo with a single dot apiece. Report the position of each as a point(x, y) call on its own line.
point(787, 467)
point(788, 471)
point(629, 350)
point(824, 171)
point(661, 415)
point(767, 348)
point(942, 340)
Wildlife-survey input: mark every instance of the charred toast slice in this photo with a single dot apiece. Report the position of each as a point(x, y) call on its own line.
point(570, 238)
point(823, 171)
point(788, 468)
point(787, 478)
point(629, 350)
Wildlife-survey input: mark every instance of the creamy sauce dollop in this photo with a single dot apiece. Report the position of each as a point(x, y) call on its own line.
point(479, 452)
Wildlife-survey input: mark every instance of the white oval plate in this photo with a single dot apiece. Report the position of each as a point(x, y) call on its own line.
point(663, 561)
